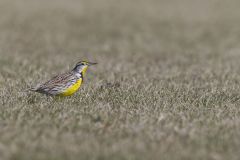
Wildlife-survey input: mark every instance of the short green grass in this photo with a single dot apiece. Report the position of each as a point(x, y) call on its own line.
point(166, 86)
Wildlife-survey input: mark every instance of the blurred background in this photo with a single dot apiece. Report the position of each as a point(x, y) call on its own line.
point(166, 84)
point(65, 31)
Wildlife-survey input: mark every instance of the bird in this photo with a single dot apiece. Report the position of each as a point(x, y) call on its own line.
point(65, 84)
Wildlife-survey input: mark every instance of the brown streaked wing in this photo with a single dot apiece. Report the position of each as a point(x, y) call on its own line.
point(61, 78)
point(57, 81)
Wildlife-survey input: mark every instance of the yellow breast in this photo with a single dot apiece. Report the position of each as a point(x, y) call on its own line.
point(72, 89)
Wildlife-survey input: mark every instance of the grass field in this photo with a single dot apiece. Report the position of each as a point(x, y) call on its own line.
point(166, 86)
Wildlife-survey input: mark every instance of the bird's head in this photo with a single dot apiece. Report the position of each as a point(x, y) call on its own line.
point(82, 66)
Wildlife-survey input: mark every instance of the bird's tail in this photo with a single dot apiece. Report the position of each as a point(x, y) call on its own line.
point(33, 89)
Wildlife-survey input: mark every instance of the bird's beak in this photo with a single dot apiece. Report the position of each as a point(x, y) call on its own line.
point(91, 63)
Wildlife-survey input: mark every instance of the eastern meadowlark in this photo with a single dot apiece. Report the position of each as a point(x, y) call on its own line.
point(64, 84)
